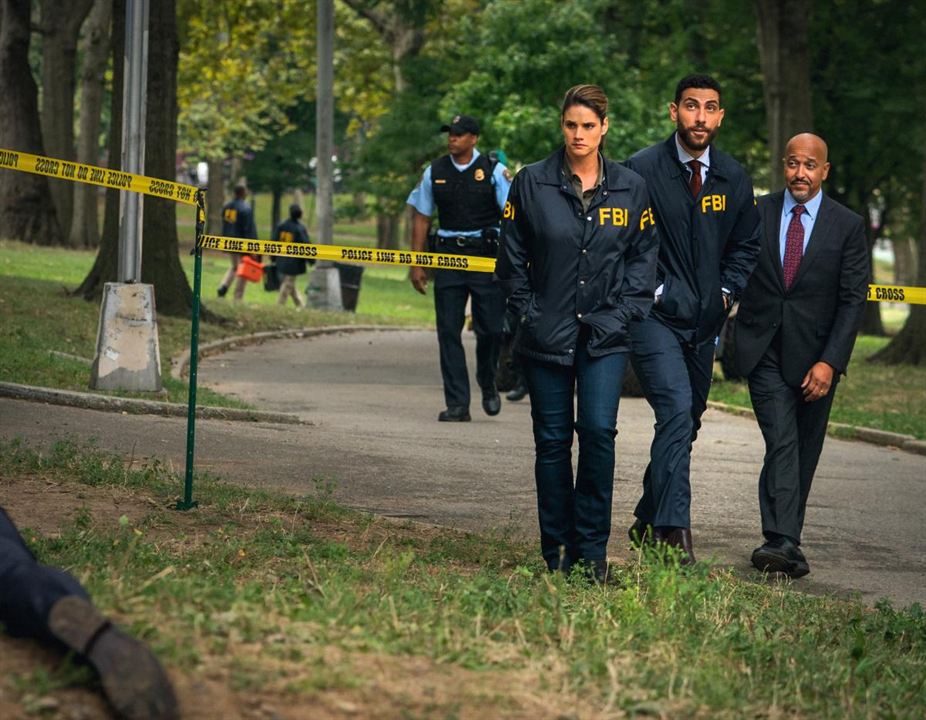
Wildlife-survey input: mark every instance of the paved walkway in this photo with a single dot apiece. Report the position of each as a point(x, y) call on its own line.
point(372, 399)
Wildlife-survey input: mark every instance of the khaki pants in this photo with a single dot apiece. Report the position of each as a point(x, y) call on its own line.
point(240, 282)
point(288, 289)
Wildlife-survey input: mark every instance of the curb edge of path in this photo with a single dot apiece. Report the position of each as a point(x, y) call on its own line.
point(845, 432)
point(180, 364)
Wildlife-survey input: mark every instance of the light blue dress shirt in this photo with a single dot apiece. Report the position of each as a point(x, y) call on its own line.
point(808, 218)
point(422, 197)
point(685, 158)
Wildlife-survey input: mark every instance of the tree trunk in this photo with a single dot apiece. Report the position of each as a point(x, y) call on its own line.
point(871, 319)
point(909, 345)
point(104, 267)
point(275, 208)
point(60, 25)
point(215, 196)
point(160, 252)
point(905, 261)
point(95, 46)
point(26, 210)
point(784, 56)
point(387, 231)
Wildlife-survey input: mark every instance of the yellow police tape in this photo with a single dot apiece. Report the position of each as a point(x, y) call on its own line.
point(178, 192)
point(897, 293)
point(409, 258)
point(92, 175)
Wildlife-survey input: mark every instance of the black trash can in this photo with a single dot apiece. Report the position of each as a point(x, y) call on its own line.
point(350, 275)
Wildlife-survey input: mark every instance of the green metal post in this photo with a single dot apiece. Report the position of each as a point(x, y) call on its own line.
point(188, 502)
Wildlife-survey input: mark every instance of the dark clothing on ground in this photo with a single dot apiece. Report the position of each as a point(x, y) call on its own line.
point(28, 590)
point(707, 246)
point(781, 333)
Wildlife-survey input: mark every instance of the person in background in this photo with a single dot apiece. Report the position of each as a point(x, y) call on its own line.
point(708, 245)
point(237, 222)
point(796, 326)
point(469, 191)
point(49, 605)
point(578, 264)
point(288, 268)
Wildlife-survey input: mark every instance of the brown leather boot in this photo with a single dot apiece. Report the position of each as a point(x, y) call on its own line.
point(681, 538)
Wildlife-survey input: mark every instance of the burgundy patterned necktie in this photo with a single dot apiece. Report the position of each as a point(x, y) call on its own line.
point(794, 245)
point(694, 182)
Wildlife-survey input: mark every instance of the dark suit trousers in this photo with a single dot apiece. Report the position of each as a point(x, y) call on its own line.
point(451, 289)
point(28, 590)
point(676, 379)
point(794, 432)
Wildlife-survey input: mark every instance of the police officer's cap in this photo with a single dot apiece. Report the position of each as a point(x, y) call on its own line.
point(295, 212)
point(461, 124)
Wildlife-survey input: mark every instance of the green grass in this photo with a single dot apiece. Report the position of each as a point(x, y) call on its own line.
point(885, 397)
point(39, 316)
point(263, 585)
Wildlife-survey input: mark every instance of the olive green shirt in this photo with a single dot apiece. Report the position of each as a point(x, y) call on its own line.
point(584, 196)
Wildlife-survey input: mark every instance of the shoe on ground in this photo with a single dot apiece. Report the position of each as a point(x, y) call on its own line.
point(491, 402)
point(222, 291)
point(680, 538)
point(781, 556)
point(642, 534)
point(133, 680)
point(454, 414)
point(518, 392)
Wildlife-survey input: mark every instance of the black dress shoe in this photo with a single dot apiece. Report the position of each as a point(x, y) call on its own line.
point(681, 538)
point(781, 556)
point(454, 414)
point(132, 679)
point(518, 392)
point(222, 291)
point(491, 402)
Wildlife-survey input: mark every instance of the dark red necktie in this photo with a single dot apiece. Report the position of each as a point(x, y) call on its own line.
point(694, 182)
point(794, 245)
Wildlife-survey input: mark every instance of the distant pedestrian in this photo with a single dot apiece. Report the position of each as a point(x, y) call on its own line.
point(288, 268)
point(48, 604)
point(578, 264)
point(237, 222)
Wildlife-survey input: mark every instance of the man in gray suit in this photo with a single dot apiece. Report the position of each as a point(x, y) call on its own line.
point(795, 330)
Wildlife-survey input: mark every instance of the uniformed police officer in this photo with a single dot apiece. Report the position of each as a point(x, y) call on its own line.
point(237, 222)
point(289, 231)
point(578, 263)
point(709, 243)
point(469, 191)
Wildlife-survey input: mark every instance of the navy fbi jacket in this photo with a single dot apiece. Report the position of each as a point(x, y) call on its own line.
point(562, 267)
point(706, 243)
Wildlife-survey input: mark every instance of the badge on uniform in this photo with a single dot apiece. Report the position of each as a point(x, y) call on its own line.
point(479, 175)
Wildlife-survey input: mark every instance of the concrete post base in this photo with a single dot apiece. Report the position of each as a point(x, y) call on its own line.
point(324, 288)
point(128, 356)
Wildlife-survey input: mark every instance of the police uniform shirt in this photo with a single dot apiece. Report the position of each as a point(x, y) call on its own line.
point(422, 197)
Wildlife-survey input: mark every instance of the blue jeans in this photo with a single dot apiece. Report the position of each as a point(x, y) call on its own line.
point(676, 379)
point(575, 515)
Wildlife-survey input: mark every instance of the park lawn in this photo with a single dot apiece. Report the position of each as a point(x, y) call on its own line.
point(47, 337)
point(294, 603)
point(885, 397)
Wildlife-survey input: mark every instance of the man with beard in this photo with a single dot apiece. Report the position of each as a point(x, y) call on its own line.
point(709, 241)
point(795, 331)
